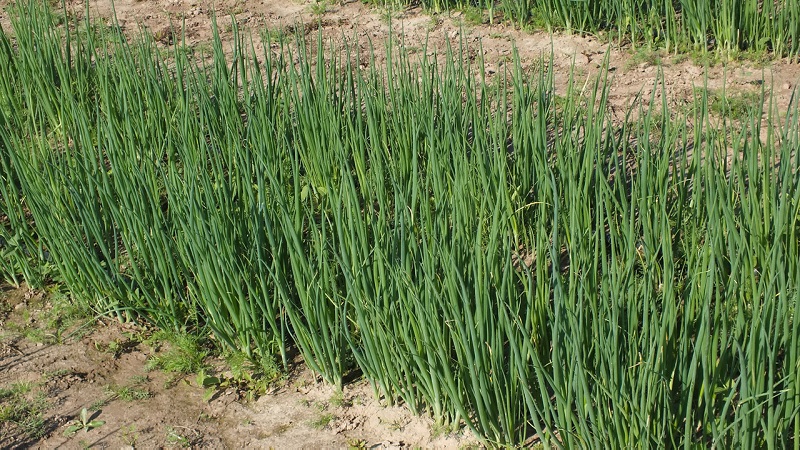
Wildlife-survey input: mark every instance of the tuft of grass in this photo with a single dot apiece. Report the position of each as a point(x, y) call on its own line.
point(22, 412)
point(319, 7)
point(61, 317)
point(275, 35)
point(645, 56)
point(130, 392)
point(179, 353)
point(473, 15)
point(733, 104)
point(322, 421)
point(338, 400)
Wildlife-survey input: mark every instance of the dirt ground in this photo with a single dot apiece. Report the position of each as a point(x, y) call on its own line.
point(54, 364)
point(55, 371)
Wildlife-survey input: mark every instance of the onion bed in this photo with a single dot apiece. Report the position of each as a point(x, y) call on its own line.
point(492, 254)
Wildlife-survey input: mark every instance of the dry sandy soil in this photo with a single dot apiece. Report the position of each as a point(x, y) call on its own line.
point(53, 365)
point(59, 369)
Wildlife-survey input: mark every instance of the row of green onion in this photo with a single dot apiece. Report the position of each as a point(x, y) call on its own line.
point(675, 25)
point(492, 254)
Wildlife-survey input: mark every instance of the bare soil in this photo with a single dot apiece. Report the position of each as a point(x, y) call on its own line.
point(69, 364)
point(85, 366)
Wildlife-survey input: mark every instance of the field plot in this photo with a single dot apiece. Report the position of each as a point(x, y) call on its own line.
point(437, 236)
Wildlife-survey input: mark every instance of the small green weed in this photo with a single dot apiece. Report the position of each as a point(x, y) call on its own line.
point(53, 321)
point(645, 56)
point(703, 58)
point(356, 444)
point(759, 59)
point(322, 421)
point(473, 15)
point(275, 35)
point(21, 412)
point(85, 423)
point(57, 373)
point(130, 435)
point(113, 347)
point(249, 378)
point(181, 353)
point(66, 318)
point(129, 393)
point(731, 104)
point(15, 390)
point(338, 400)
point(319, 7)
point(396, 425)
point(175, 438)
point(117, 347)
